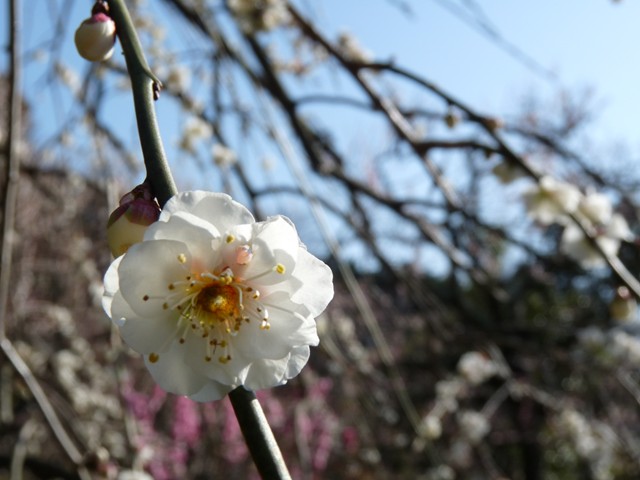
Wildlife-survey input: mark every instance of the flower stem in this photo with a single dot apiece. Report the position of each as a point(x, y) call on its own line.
point(145, 87)
point(258, 435)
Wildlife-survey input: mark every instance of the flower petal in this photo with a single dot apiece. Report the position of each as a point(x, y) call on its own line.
point(111, 285)
point(201, 238)
point(172, 374)
point(145, 289)
point(146, 335)
point(120, 309)
point(266, 373)
point(195, 351)
point(317, 283)
point(297, 360)
point(211, 391)
point(216, 208)
point(275, 243)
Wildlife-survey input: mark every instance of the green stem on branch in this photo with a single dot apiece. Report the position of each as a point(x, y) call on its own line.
point(253, 423)
point(258, 435)
point(145, 87)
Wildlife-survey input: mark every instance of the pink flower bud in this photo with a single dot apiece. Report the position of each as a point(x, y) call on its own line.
point(95, 37)
point(130, 220)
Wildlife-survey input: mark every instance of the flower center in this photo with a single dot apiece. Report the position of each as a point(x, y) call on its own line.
point(215, 306)
point(221, 302)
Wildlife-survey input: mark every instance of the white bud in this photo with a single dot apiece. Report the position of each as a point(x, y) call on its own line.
point(95, 37)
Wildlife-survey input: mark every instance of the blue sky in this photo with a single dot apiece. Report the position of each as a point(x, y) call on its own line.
point(585, 43)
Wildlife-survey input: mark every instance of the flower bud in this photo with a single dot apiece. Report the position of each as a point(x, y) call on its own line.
point(130, 220)
point(624, 307)
point(95, 37)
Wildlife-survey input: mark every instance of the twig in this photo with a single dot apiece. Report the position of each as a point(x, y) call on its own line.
point(20, 450)
point(12, 174)
point(47, 409)
point(146, 88)
point(257, 433)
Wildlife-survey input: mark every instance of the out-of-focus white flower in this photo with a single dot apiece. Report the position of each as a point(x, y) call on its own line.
point(551, 200)
point(195, 129)
point(430, 427)
point(68, 77)
point(576, 245)
point(624, 307)
point(447, 392)
point(441, 472)
point(95, 37)
point(460, 454)
point(476, 367)
point(351, 49)
point(134, 475)
point(178, 77)
point(592, 338)
point(215, 300)
point(625, 347)
point(596, 208)
point(592, 439)
point(580, 430)
point(259, 15)
point(474, 425)
point(223, 156)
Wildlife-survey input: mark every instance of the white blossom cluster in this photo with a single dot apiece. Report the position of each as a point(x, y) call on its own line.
point(259, 15)
point(620, 345)
point(552, 201)
point(476, 367)
point(195, 130)
point(351, 49)
point(473, 425)
point(223, 156)
point(594, 441)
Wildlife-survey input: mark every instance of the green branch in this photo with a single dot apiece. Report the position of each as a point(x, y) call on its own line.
point(146, 88)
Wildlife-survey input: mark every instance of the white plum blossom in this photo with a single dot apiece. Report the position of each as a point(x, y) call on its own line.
point(447, 392)
point(259, 15)
point(351, 49)
point(476, 367)
point(592, 338)
point(576, 245)
point(215, 300)
point(625, 347)
point(178, 77)
point(474, 425)
point(550, 201)
point(595, 208)
point(134, 475)
point(430, 427)
point(223, 156)
point(195, 130)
